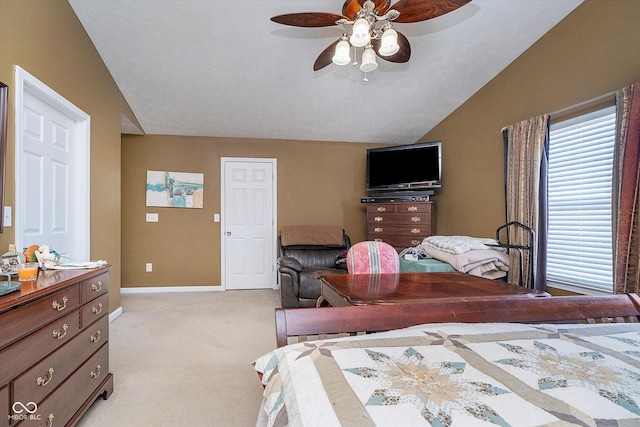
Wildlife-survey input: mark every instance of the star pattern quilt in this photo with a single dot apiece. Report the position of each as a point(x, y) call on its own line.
point(448, 374)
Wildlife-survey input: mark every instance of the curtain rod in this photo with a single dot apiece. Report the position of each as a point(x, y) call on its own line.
point(578, 106)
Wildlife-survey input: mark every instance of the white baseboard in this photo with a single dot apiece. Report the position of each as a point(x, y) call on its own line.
point(170, 289)
point(115, 314)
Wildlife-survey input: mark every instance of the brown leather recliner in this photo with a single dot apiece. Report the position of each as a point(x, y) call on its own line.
point(301, 264)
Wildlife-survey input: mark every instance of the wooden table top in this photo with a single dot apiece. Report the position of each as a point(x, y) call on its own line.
point(361, 289)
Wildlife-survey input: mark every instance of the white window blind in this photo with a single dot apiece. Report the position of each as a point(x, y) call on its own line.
point(580, 172)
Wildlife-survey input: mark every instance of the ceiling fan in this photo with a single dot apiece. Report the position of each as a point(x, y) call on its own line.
point(372, 28)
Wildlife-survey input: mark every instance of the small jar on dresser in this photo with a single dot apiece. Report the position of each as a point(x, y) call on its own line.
point(400, 224)
point(54, 348)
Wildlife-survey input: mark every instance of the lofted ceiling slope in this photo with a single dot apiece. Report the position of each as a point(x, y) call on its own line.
point(222, 68)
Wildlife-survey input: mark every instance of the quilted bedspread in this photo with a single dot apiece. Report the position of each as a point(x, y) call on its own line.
point(458, 375)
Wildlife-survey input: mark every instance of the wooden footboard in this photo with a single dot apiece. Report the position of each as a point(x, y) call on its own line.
point(298, 323)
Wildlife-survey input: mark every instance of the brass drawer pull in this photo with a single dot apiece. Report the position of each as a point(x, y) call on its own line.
point(381, 209)
point(415, 219)
point(58, 306)
point(415, 242)
point(44, 381)
point(59, 335)
point(377, 239)
point(96, 373)
point(378, 229)
point(378, 219)
point(96, 337)
point(98, 309)
point(50, 420)
point(412, 209)
point(96, 286)
point(415, 231)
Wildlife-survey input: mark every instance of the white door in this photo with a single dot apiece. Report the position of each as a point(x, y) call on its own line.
point(248, 223)
point(51, 182)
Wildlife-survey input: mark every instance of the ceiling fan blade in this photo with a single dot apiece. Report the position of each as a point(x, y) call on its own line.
point(421, 10)
point(308, 19)
point(402, 55)
point(326, 57)
point(351, 7)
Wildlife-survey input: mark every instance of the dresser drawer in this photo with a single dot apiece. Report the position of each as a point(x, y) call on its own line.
point(398, 208)
point(44, 377)
point(94, 287)
point(27, 318)
point(23, 354)
point(400, 242)
point(418, 231)
point(93, 310)
point(4, 406)
point(62, 405)
point(400, 218)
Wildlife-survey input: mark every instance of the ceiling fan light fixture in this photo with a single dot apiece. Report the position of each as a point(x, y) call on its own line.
point(368, 60)
point(389, 43)
point(360, 36)
point(341, 56)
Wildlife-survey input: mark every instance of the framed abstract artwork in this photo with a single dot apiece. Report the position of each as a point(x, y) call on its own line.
point(175, 189)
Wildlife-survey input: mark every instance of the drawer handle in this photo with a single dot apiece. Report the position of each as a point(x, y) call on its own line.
point(50, 420)
point(96, 373)
point(59, 335)
point(97, 287)
point(378, 219)
point(58, 306)
point(412, 209)
point(377, 239)
point(96, 337)
point(44, 381)
point(98, 309)
point(415, 219)
point(381, 209)
point(415, 242)
point(378, 229)
point(415, 231)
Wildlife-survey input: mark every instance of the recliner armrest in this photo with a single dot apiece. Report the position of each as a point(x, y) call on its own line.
point(288, 262)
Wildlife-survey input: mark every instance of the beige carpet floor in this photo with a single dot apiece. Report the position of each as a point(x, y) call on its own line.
point(184, 359)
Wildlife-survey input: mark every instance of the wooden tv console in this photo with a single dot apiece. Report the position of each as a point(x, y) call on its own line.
point(400, 224)
point(54, 350)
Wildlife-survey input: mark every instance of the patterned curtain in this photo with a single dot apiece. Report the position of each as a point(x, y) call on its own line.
point(526, 165)
point(626, 200)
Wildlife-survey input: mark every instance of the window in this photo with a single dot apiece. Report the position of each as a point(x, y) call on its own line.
point(580, 173)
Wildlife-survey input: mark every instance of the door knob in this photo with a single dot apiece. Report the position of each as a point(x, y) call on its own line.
point(228, 233)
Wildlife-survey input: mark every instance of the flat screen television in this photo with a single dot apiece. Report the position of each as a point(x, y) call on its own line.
point(405, 167)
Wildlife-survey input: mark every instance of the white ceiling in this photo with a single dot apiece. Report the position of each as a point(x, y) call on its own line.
point(223, 68)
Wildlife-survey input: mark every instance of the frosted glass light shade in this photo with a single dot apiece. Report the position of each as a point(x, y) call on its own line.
point(360, 36)
point(368, 60)
point(389, 43)
point(341, 57)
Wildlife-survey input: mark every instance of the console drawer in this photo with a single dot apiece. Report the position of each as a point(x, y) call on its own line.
point(44, 377)
point(27, 318)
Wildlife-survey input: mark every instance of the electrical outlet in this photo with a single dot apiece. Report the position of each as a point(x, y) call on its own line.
point(149, 267)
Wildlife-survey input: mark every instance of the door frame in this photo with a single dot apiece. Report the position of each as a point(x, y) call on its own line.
point(223, 196)
point(27, 83)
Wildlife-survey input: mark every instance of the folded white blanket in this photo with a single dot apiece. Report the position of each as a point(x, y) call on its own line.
point(487, 263)
point(459, 244)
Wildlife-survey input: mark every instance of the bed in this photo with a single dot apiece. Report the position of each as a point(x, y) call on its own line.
point(546, 361)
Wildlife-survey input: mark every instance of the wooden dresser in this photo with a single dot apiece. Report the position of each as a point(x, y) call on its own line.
point(400, 224)
point(54, 350)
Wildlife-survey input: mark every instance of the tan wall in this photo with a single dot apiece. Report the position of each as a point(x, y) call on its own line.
point(46, 39)
point(317, 183)
point(591, 52)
